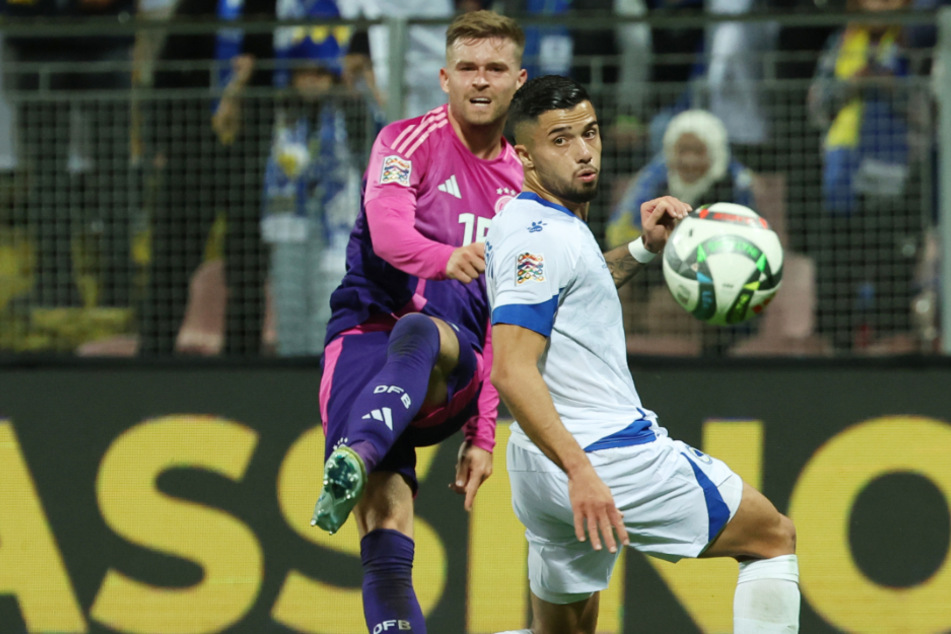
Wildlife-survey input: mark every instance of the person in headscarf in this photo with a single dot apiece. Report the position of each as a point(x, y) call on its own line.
point(694, 165)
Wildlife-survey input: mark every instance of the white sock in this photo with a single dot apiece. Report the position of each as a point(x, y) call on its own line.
point(515, 632)
point(767, 597)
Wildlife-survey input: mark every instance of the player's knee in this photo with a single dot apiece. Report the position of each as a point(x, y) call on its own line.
point(787, 534)
point(413, 332)
point(780, 538)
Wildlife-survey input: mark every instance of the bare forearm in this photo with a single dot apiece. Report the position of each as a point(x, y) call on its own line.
point(226, 120)
point(622, 265)
point(529, 401)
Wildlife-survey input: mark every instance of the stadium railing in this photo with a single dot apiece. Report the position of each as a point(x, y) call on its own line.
point(83, 175)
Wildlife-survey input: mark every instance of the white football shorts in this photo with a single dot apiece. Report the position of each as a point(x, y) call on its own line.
point(675, 500)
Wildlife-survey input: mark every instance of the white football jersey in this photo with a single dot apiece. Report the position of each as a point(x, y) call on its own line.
point(545, 272)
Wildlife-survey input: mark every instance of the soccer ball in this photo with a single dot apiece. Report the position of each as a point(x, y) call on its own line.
point(723, 263)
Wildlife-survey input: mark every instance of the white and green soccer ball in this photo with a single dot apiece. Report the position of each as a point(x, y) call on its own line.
point(723, 263)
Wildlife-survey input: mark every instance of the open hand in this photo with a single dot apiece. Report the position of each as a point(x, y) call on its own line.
point(473, 467)
point(595, 512)
point(658, 219)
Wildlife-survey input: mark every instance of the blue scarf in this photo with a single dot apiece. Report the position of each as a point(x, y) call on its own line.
point(309, 169)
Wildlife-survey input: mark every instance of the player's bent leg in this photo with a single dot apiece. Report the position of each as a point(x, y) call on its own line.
point(392, 398)
point(386, 504)
point(565, 576)
point(767, 597)
point(457, 380)
point(757, 530)
point(385, 520)
point(574, 617)
point(446, 361)
point(377, 414)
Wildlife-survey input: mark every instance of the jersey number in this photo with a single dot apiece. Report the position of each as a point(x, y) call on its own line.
point(475, 228)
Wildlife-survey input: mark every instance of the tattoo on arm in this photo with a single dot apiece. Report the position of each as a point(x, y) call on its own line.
point(622, 265)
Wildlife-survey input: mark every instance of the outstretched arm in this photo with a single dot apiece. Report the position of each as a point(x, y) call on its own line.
point(226, 121)
point(473, 467)
point(474, 463)
point(520, 384)
point(395, 239)
point(659, 217)
point(480, 429)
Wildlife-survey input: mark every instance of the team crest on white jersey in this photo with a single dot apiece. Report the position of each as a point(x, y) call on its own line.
point(396, 169)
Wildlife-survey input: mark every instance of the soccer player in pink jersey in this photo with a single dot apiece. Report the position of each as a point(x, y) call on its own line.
point(407, 353)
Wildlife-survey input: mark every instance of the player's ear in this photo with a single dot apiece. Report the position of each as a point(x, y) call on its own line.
point(524, 156)
point(444, 80)
point(522, 78)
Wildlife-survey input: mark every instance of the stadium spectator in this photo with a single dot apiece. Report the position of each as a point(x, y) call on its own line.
point(212, 155)
point(10, 169)
point(869, 235)
point(719, 68)
point(599, 56)
point(312, 190)
point(13, 178)
point(633, 41)
point(676, 55)
point(549, 49)
point(76, 152)
point(697, 167)
point(738, 59)
point(424, 47)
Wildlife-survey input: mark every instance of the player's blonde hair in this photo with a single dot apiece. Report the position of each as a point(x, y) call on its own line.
point(484, 24)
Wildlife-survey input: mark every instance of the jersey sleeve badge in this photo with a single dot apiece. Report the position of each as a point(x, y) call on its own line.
point(397, 170)
point(530, 268)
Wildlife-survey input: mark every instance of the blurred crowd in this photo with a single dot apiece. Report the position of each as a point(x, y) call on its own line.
point(191, 192)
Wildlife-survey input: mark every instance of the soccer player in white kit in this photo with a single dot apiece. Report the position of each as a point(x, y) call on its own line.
point(586, 459)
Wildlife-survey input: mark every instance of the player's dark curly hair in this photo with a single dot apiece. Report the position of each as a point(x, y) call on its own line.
point(539, 95)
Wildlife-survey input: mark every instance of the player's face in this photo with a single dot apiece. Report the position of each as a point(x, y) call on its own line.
point(564, 153)
point(480, 77)
point(691, 158)
point(310, 84)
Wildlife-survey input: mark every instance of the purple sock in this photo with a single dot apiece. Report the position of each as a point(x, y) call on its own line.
point(389, 601)
point(392, 398)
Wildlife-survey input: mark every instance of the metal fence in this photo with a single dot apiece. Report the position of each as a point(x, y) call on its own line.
point(125, 207)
